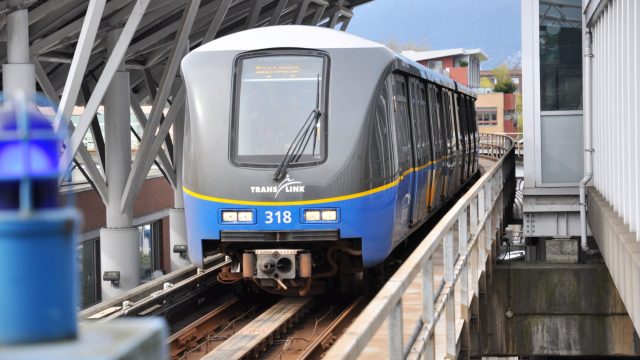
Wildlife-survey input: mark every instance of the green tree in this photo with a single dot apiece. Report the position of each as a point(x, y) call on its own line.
point(519, 112)
point(504, 83)
point(485, 83)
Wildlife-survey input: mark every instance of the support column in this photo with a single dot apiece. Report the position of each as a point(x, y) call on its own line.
point(177, 222)
point(119, 241)
point(18, 75)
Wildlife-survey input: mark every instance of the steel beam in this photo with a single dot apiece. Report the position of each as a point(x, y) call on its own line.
point(43, 80)
point(79, 63)
point(216, 23)
point(105, 78)
point(91, 172)
point(150, 145)
point(320, 8)
point(277, 12)
point(147, 150)
point(163, 160)
point(96, 131)
point(152, 86)
point(252, 19)
point(302, 11)
point(45, 9)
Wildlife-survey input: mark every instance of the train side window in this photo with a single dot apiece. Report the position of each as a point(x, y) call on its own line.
point(444, 117)
point(401, 117)
point(424, 122)
point(462, 120)
point(455, 133)
point(436, 132)
point(380, 149)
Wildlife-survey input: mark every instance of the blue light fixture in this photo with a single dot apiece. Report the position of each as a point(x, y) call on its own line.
point(38, 276)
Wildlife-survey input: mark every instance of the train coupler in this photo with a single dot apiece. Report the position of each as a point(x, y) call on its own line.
point(276, 264)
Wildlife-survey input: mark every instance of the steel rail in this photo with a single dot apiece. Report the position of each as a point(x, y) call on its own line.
point(181, 341)
point(157, 293)
point(323, 341)
point(255, 336)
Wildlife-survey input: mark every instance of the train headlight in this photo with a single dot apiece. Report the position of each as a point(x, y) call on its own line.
point(229, 216)
point(329, 215)
point(321, 215)
point(312, 215)
point(245, 216)
point(240, 216)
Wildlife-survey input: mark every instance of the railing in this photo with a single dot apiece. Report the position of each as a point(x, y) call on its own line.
point(494, 144)
point(476, 217)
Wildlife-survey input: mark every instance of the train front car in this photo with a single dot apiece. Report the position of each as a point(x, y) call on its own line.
point(282, 170)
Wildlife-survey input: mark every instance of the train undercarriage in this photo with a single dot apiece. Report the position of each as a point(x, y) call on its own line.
point(296, 268)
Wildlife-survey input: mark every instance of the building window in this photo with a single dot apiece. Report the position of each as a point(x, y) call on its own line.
point(436, 65)
point(89, 265)
point(515, 80)
point(487, 116)
point(150, 250)
point(560, 55)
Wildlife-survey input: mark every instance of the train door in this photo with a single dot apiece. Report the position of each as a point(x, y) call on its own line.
point(445, 124)
point(404, 151)
point(468, 102)
point(438, 142)
point(464, 145)
point(455, 146)
point(420, 136)
point(474, 130)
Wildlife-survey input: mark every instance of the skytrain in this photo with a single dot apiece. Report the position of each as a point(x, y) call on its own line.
point(310, 153)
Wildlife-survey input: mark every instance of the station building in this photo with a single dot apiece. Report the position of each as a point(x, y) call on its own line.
point(580, 99)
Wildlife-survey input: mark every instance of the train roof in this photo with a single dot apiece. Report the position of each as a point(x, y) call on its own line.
point(288, 36)
point(314, 37)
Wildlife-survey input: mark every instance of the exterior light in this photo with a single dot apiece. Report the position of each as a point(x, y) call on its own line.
point(246, 216)
point(329, 215)
point(312, 215)
point(229, 216)
point(321, 215)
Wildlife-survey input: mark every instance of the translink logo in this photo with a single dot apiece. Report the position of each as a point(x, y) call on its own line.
point(287, 185)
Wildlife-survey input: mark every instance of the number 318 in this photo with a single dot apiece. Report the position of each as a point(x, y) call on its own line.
point(279, 217)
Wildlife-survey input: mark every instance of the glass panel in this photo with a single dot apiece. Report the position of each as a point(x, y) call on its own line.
point(560, 55)
point(87, 266)
point(146, 261)
point(562, 160)
point(276, 95)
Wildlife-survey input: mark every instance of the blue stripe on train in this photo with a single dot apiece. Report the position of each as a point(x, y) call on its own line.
point(371, 218)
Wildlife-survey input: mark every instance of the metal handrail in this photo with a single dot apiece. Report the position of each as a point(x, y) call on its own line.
point(477, 216)
point(487, 142)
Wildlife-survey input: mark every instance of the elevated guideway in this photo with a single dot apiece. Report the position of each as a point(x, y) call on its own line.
point(425, 308)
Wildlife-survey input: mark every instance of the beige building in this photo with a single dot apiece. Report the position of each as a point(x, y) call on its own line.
point(490, 112)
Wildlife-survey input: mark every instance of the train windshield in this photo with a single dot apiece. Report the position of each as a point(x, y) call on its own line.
point(275, 95)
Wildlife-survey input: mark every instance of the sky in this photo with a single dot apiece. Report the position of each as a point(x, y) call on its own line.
point(492, 25)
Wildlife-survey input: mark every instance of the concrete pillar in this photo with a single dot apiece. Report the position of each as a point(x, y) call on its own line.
point(177, 223)
point(18, 75)
point(119, 241)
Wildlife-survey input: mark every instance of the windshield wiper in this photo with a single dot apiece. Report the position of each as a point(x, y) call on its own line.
point(308, 130)
point(299, 144)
